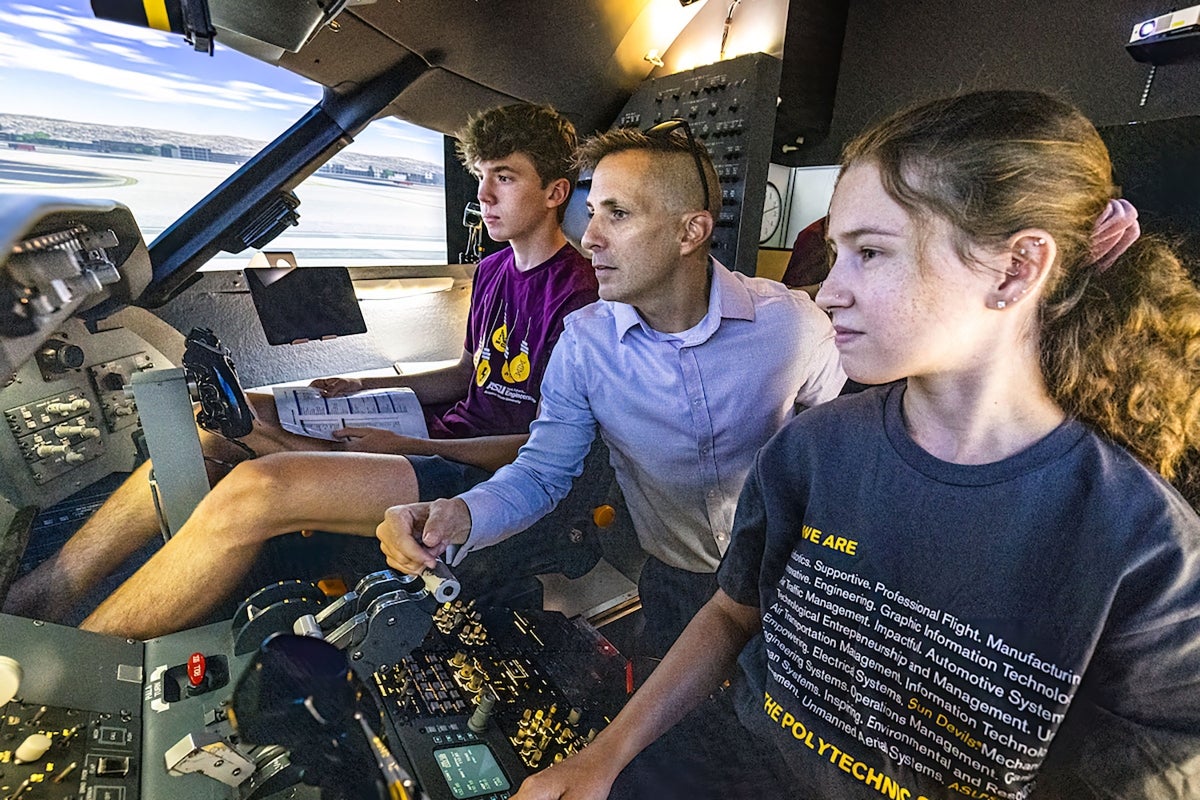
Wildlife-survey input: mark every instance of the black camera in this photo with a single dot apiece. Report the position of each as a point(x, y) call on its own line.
point(223, 405)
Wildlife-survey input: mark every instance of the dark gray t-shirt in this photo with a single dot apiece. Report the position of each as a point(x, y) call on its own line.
point(1028, 628)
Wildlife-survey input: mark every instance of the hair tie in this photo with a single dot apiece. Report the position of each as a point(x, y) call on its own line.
point(1115, 230)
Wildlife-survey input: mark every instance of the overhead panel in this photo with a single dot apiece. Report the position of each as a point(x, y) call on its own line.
point(425, 102)
point(730, 108)
point(536, 50)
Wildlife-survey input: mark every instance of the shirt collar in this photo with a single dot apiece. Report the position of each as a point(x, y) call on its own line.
point(728, 298)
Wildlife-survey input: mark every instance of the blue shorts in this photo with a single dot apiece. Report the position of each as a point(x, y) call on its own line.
point(352, 557)
point(440, 478)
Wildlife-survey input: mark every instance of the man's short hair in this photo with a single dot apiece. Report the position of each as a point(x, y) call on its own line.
point(540, 132)
point(679, 179)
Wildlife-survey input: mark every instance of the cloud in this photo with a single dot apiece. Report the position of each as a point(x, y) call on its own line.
point(124, 51)
point(147, 37)
point(113, 63)
point(40, 23)
point(64, 21)
point(150, 87)
point(58, 38)
point(400, 130)
point(250, 89)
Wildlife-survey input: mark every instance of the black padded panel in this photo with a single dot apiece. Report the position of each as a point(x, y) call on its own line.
point(442, 101)
point(354, 53)
point(812, 52)
point(1157, 165)
point(898, 53)
point(439, 100)
point(484, 54)
point(536, 50)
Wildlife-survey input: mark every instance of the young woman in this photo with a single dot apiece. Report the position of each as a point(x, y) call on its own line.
point(973, 579)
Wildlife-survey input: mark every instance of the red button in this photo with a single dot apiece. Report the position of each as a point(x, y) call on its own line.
point(195, 669)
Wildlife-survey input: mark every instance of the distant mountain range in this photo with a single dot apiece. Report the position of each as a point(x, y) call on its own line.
point(88, 132)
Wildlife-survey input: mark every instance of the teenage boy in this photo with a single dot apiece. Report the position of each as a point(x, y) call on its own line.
point(522, 157)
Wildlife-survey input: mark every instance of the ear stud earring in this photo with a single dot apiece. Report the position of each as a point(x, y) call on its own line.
point(1000, 304)
point(1038, 242)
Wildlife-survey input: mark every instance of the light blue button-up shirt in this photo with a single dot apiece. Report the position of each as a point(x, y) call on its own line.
point(682, 414)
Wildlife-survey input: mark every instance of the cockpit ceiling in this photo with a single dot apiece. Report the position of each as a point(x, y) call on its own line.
point(582, 56)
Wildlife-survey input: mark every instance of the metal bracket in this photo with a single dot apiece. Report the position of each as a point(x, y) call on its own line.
point(165, 406)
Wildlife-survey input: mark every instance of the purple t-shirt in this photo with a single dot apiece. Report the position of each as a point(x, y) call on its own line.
point(514, 321)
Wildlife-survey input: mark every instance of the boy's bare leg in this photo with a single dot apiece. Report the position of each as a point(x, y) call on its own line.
point(211, 555)
point(127, 521)
point(117, 530)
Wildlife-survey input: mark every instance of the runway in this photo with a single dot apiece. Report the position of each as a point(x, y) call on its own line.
point(342, 222)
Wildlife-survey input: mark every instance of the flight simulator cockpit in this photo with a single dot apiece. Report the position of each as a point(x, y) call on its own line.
point(113, 348)
point(392, 686)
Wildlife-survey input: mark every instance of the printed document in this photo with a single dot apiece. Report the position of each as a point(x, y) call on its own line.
point(304, 410)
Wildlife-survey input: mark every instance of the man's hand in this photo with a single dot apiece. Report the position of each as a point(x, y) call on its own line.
point(587, 775)
point(413, 536)
point(331, 387)
point(377, 440)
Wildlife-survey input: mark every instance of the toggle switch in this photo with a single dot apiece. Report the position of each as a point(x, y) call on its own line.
point(10, 679)
point(197, 674)
point(32, 749)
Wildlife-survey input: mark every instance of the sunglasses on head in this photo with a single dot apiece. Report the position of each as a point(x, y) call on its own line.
point(663, 130)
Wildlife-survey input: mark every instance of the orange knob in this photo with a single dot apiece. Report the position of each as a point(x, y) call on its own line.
point(604, 515)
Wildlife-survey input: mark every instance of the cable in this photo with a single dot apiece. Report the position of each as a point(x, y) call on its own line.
point(728, 24)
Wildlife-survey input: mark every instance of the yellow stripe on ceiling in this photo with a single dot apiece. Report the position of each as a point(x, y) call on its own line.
point(156, 14)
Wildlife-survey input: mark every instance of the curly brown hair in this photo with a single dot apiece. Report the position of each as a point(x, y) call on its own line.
point(540, 132)
point(1120, 347)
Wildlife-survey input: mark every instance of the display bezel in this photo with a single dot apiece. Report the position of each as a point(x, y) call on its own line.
point(489, 769)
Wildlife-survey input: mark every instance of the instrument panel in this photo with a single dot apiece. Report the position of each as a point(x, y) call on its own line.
point(69, 419)
point(551, 685)
point(489, 696)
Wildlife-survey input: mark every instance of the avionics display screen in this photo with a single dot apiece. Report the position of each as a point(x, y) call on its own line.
point(471, 770)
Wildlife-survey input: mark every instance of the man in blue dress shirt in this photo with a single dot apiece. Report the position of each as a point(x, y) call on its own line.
point(687, 369)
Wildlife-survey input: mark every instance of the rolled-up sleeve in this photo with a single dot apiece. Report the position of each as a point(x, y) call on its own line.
point(824, 376)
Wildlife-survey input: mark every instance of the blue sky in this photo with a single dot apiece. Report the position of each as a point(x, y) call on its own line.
point(58, 60)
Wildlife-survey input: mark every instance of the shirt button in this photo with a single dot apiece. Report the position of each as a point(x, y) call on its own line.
point(696, 402)
point(712, 493)
point(721, 537)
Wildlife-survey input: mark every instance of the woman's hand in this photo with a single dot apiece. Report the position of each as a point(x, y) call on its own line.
point(587, 775)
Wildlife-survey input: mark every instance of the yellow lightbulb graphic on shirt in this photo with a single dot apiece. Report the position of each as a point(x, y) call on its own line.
point(482, 372)
point(500, 339)
point(518, 368)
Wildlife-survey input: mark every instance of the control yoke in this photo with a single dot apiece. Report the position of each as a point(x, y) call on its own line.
point(223, 405)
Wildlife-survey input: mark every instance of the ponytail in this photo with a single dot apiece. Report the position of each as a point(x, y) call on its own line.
point(1121, 350)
